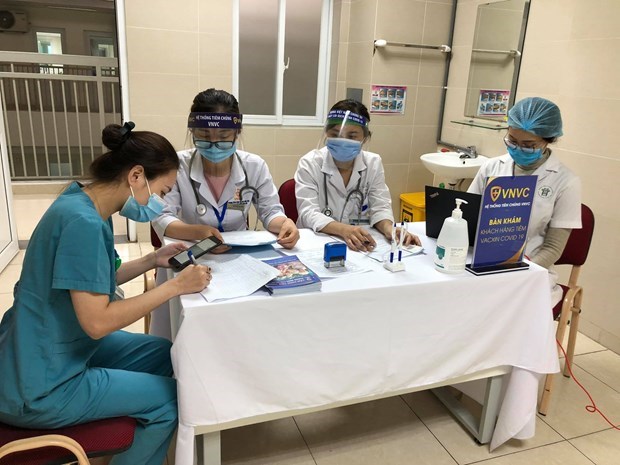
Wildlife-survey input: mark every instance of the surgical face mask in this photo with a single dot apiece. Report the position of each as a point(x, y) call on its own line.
point(343, 150)
point(143, 213)
point(523, 158)
point(215, 152)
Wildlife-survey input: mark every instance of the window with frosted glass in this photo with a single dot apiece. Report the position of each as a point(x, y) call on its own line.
point(282, 57)
point(258, 55)
point(301, 52)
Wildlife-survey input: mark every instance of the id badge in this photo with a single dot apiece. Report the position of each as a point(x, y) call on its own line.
point(238, 205)
point(361, 219)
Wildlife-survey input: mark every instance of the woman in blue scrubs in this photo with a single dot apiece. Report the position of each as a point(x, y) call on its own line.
point(62, 357)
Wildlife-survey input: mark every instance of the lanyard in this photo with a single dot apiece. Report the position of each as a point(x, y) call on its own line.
point(220, 217)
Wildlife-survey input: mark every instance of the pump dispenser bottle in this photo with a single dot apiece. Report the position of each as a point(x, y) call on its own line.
point(453, 242)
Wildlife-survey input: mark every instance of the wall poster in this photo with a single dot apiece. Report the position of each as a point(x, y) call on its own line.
point(388, 99)
point(493, 102)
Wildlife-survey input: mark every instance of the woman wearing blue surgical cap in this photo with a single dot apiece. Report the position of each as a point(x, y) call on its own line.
point(62, 357)
point(533, 124)
point(217, 184)
point(340, 187)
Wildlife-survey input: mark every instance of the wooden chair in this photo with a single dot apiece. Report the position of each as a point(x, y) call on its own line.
point(19, 446)
point(288, 199)
point(568, 309)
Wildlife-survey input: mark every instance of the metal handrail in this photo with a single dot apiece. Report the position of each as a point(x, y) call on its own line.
point(380, 43)
point(55, 107)
point(514, 53)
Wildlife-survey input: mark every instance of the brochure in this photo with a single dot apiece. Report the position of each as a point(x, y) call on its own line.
point(295, 277)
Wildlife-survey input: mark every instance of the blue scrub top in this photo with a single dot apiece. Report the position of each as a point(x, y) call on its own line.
point(42, 344)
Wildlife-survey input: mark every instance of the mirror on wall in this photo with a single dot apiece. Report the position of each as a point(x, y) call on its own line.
point(481, 80)
point(495, 58)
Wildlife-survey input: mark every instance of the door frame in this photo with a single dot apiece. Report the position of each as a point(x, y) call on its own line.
point(6, 194)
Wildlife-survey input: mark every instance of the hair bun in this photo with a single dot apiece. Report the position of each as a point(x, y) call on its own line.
point(113, 135)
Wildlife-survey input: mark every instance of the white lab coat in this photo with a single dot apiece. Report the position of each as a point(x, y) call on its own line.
point(181, 205)
point(318, 166)
point(181, 200)
point(557, 203)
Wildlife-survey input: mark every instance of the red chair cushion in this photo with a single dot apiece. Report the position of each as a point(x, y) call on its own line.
point(155, 242)
point(97, 438)
point(288, 199)
point(558, 307)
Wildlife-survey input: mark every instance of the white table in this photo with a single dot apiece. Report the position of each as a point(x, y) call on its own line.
point(363, 337)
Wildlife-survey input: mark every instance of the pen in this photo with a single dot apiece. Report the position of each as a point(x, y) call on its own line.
point(393, 244)
point(403, 231)
point(191, 257)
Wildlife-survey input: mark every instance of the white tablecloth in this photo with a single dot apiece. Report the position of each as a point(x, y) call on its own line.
point(366, 335)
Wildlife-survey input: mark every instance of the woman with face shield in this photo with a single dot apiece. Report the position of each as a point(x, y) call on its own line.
point(341, 188)
point(216, 186)
point(62, 357)
point(217, 183)
point(533, 124)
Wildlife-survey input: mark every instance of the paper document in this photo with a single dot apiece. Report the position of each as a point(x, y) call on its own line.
point(383, 248)
point(235, 276)
point(248, 238)
point(314, 260)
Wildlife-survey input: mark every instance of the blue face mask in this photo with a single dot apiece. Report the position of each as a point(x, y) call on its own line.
point(522, 158)
point(343, 149)
point(212, 152)
point(143, 213)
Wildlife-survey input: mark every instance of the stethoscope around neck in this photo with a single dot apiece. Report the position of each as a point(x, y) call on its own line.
point(357, 192)
point(201, 208)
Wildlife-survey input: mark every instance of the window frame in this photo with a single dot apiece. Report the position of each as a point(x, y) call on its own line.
point(50, 30)
point(88, 35)
point(322, 91)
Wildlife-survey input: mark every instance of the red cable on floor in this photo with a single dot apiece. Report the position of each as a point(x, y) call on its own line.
point(592, 408)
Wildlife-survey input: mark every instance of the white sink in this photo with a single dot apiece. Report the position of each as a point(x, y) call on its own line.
point(451, 166)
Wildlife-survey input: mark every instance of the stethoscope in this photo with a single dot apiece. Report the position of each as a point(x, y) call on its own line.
point(201, 208)
point(357, 192)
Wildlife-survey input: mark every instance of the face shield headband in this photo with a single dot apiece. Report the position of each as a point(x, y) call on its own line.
point(203, 120)
point(344, 117)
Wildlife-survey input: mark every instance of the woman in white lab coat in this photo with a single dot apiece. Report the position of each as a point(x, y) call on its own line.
point(533, 124)
point(216, 186)
point(216, 183)
point(341, 188)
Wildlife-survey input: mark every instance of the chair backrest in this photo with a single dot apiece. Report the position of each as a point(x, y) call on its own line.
point(155, 242)
point(578, 245)
point(288, 199)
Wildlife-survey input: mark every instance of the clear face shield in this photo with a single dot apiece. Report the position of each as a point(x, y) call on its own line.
point(345, 132)
point(345, 124)
point(206, 126)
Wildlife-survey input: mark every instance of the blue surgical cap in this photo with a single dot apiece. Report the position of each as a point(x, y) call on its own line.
point(536, 115)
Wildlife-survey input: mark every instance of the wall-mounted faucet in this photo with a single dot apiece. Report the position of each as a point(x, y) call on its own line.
point(469, 152)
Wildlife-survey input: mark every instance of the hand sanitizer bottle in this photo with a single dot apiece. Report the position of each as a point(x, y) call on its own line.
point(453, 242)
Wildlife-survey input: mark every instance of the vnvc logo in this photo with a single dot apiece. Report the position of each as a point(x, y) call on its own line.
point(495, 192)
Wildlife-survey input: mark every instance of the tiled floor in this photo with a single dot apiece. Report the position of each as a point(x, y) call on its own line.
point(410, 429)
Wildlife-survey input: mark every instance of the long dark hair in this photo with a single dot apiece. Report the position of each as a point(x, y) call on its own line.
point(129, 148)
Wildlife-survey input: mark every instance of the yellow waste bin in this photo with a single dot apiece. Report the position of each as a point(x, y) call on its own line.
point(412, 207)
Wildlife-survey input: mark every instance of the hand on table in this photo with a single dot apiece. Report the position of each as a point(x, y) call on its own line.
point(289, 234)
point(358, 238)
